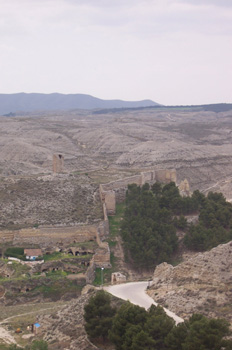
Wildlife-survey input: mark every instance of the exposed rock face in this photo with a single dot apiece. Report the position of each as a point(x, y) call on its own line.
point(202, 284)
point(184, 188)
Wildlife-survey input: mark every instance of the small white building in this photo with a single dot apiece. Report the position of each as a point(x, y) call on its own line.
point(32, 254)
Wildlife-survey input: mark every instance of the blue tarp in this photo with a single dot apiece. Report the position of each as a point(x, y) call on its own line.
point(37, 325)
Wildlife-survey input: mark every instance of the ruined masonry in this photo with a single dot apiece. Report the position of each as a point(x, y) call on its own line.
point(58, 163)
point(115, 192)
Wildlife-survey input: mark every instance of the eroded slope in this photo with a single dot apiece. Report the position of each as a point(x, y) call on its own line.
point(202, 284)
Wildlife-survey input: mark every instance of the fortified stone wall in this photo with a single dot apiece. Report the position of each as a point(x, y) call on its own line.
point(120, 194)
point(51, 237)
point(109, 198)
point(103, 229)
point(102, 257)
point(115, 192)
point(165, 176)
point(46, 237)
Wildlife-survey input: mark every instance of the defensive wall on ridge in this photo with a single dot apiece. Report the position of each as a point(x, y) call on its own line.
point(47, 237)
point(115, 192)
point(60, 237)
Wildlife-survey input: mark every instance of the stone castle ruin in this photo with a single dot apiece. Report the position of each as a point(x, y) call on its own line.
point(58, 163)
point(115, 192)
point(61, 238)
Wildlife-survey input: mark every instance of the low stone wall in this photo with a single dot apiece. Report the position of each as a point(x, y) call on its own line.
point(103, 229)
point(102, 258)
point(46, 237)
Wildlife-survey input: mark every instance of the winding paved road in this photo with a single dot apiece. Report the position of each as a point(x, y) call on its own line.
point(135, 293)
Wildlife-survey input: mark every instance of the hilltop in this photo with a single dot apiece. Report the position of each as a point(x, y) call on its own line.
point(22, 102)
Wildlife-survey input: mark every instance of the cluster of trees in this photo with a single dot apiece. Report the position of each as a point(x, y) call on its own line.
point(133, 328)
point(15, 252)
point(153, 214)
point(148, 229)
point(215, 223)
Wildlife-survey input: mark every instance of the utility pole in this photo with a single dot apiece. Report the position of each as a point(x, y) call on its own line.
point(102, 268)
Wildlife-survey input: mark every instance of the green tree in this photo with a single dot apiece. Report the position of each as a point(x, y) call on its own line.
point(156, 188)
point(199, 333)
point(158, 326)
point(148, 229)
point(98, 316)
point(142, 341)
point(127, 323)
point(39, 345)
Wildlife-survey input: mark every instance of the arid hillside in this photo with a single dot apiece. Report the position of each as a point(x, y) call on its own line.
point(100, 146)
point(63, 199)
point(201, 284)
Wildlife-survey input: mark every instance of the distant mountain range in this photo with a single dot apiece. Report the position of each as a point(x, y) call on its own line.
point(22, 102)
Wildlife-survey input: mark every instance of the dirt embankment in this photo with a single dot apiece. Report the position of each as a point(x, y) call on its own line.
point(201, 284)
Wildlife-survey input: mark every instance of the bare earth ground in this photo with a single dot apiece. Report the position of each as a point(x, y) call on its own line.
point(98, 148)
point(198, 144)
point(19, 316)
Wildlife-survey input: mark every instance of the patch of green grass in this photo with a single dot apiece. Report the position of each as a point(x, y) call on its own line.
point(97, 280)
point(57, 273)
point(19, 269)
point(112, 243)
point(58, 288)
point(106, 273)
point(4, 346)
point(115, 221)
point(61, 256)
point(176, 262)
point(53, 256)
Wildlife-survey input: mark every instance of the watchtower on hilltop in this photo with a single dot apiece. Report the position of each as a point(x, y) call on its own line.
point(58, 163)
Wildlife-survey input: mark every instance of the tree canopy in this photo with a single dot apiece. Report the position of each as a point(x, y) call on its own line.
point(153, 215)
point(134, 328)
point(98, 315)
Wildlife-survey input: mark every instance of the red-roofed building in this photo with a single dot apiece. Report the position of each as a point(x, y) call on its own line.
point(32, 254)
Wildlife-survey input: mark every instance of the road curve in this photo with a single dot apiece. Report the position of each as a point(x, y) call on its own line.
point(135, 293)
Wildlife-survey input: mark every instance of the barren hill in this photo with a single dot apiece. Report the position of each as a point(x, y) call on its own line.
point(197, 143)
point(47, 200)
point(201, 284)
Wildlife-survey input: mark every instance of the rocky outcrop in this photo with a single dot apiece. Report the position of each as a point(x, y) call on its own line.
point(202, 284)
point(65, 329)
point(184, 188)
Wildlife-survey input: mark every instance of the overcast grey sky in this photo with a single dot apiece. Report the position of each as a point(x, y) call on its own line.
point(170, 51)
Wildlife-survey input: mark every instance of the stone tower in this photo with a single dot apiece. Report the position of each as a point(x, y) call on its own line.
point(58, 163)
